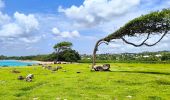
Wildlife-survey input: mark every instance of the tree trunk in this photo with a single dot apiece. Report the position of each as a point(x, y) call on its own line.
point(58, 50)
point(94, 52)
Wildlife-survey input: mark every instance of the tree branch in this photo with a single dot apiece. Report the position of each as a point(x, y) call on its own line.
point(136, 45)
point(157, 41)
point(103, 42)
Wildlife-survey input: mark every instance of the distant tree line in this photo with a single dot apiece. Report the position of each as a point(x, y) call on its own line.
point(63, 52)
point(73, 56)
point(146, 57)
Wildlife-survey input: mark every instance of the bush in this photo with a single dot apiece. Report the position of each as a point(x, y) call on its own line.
point(69, 56)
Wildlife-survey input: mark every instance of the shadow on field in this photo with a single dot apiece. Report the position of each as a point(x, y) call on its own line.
point(144, 72)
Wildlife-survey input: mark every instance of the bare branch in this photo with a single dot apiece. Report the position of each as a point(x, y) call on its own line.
point(157, 41)
point(136, 45)
point(107, 43)
point(103, 42)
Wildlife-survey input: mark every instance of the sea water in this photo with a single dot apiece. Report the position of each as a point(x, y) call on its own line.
point(14, 63)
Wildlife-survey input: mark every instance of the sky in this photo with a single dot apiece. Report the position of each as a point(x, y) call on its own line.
point(31, 27)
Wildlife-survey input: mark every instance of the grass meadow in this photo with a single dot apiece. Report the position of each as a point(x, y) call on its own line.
point(123, 82)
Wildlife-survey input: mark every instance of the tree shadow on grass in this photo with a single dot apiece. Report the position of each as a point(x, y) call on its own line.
point(143, 72)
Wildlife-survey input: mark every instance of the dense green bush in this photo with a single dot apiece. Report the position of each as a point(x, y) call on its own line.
point(69, 55)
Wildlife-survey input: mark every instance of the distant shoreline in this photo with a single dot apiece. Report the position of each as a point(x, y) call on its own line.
point(34, 62)
point(38, 62)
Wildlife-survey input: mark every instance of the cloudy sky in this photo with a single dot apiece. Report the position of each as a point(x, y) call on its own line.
point(29, 27)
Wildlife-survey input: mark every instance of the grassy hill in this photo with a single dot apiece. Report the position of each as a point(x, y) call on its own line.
point(124, 82)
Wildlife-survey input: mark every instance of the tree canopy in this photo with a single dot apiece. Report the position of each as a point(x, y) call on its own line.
point(69, 56)
point(62, 45)
point(154, 23)
point(64, 52)
point(157, 22)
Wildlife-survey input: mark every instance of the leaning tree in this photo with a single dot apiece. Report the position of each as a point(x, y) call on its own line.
point(155, 23)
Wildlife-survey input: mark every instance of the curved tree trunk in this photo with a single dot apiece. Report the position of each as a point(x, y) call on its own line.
point(94, 52)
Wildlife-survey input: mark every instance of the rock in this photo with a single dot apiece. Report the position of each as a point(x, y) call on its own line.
point(44, 66)
point(49, 67)
point(29, 77)
point(28, 80)
point(57, 62)
point(20, 78)
point(54, 69)
point(15, 71)
point(106, 67)
point(98, 68)
point(59, 67)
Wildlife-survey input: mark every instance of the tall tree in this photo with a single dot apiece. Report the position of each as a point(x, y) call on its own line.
point(155, 23)
point(62, 46)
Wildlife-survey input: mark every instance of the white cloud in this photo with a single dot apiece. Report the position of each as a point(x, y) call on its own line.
point(4, 18)
point(18, 26)
point(10, 30)
point(65, 34)
point(31, 39)
point(28, 22)
point(93, 12)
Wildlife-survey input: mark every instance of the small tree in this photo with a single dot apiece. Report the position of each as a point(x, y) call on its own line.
point(62, 46)
point(154, 23)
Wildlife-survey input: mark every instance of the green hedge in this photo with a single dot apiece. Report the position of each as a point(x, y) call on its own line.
point(128, 61)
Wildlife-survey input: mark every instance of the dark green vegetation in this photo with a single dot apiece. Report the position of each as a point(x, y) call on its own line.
point(124, 82)
point(64, 52)
point(144, 57)
point(69, 56)
point(155, 23)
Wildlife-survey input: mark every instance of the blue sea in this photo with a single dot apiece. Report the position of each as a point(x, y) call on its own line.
point(5, 63)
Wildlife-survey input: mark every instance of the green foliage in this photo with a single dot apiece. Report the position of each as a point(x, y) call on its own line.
point(69, 56)
point(62, 46)
point(2, 57)
point(155, 22)
point(144, 57)
point(65, 53)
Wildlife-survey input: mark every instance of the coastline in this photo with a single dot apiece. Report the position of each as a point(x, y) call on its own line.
point(37, 62)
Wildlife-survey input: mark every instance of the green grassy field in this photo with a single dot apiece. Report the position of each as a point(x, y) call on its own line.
point(124, 82)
